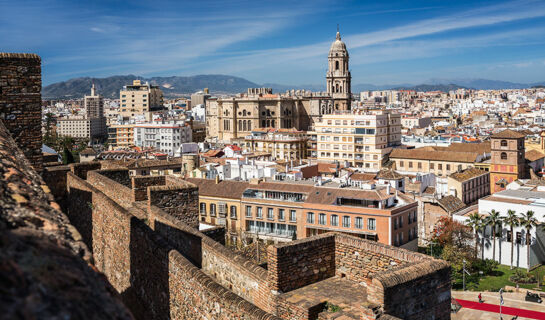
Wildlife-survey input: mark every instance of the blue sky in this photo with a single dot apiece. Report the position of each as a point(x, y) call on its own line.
point(280, 41)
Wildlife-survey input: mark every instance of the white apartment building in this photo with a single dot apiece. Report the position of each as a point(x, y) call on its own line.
point(82, 127)
point(520, 201)
point(361, 139)
point(166, 137)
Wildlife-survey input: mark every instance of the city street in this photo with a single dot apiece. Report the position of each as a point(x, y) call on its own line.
point(514, 304)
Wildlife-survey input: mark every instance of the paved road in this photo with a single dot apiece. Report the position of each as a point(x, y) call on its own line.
point(514, 304)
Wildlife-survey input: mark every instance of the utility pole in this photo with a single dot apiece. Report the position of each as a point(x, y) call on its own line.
point(464, 271)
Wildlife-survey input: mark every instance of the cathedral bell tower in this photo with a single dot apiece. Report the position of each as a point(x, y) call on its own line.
point(338, 75)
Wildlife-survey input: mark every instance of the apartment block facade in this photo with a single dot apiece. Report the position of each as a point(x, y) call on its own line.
point(362, 139)
point(282, 212)
point(166, 137)
point(121, 135)
point(282, 144)
point(82, 127)
point(139, 98)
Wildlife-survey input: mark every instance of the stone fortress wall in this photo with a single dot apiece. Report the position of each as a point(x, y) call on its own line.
point(140, 232)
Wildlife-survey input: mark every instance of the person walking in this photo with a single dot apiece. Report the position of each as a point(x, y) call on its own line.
point(480, 298)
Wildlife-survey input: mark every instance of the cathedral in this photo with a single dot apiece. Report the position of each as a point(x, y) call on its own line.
point(233, 118)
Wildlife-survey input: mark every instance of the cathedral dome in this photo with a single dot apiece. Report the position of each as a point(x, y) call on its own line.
point(338, 45)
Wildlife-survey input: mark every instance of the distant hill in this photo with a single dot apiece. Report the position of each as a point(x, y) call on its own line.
point(432, 87)
point(175, 86)
point(172, 86)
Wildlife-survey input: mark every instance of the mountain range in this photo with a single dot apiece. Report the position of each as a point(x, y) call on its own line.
point(176, 86)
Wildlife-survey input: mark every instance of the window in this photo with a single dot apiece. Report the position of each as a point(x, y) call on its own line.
point(371, 224)
point(432, 166)
point(410, 164)
point(519, 238)
point(401, 222)
point(358, 223)
point(419, 165)
point(233, 211)
point(503, 156)
point(334, 220)
point(440, 166)
point(310, 217)
point(293, 216)
point(222, 208)
point(212, 210)
point(401, 238)
point(281, 215)
point(448, 167)
point(504, 143)
point(270, 213)
point(248, 211)
point(395, 223)
point(401, 163)
point(203, 208)
point(346, 221)
point(259, 213)
point(321, 218)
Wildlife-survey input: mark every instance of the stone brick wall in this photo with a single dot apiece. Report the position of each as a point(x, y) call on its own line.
point(44, 265)
point(419, 290)
point(216, 233)
point(228, 268)
point(81, 169)
point(20, 102)
point(180, 201)
point(195, 295)
point(358, 259)
point(121, 194)
point(301, 262)
point(140, 185)
point(120, 176)
point(55, 178)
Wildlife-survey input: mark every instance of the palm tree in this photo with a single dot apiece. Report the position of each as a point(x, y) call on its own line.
point(476, 223)
point(512, 221)
point(493, 220)
point(527, 221)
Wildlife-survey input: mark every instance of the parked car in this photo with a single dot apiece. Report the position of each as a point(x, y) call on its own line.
point(533, 297)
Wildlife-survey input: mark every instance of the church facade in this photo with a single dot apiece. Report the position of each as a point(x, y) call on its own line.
point(234, 118)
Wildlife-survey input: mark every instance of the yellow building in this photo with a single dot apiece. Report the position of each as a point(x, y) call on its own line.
point(219, 204)
point(139, 98)
point(282, 144)
point(121, 136)
point(361, 138)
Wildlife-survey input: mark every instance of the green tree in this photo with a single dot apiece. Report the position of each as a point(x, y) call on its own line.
point(476, 223)
point(67, 156)
point(512, 221)
point(528, 221)
point(494, 220)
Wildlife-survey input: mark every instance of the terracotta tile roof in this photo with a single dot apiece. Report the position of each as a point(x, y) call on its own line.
point(224, 189)
point(389, 174)
point(534, 155)
point(322, 195)
point(467, 174)
point(421, 154)
point(145, 163)
point(451, 203)
point(429, 190)
point(358, 176)
point(508, 134)
point(213, 153)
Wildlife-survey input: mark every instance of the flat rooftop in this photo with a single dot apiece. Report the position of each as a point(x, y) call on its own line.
point(347, 295)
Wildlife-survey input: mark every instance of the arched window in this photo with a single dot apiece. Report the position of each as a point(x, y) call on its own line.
point(249, 125)
point(244, 113)
point(243, 125)
point(273, 124)
point(239, 124)
point(504, 143)
point(503, 156)
point(268, 123)
point(337, 87)
point(336, 65)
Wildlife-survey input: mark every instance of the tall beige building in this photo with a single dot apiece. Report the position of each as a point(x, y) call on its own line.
point(139, 98)
point(338, 76)
point(362, 139)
